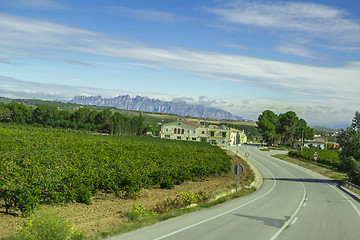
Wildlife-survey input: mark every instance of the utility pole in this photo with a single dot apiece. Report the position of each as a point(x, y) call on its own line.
point(302, 140)
point(325, 143)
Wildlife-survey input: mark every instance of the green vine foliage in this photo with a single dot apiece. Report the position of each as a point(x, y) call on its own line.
point(326, 157)
point(52, 166)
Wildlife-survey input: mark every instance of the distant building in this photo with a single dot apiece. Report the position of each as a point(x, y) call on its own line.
point(320, 145)
point(191, 131)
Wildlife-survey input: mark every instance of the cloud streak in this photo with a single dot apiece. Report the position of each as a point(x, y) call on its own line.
point(338, 83)
point(298, 50)
point(35, 4)
point(320, 21)
point(250, 108)
point(15, 88)
point(145, 14)
point(28, 38)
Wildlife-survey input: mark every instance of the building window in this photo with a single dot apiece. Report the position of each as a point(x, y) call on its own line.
point(212, 133)
point(182, 131)
point(179, 130)
point(194, 139)
point(178, 138)
point(223, 134)
point(194, 131)
point(167, 136)
point(175, 130)
point(202, 132)
point(179, 123)
point(203, 139)
point(166, 130)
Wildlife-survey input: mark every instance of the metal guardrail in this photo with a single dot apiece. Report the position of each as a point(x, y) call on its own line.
point(354, 188)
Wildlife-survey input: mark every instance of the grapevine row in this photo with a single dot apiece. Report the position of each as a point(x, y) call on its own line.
point(55, 167)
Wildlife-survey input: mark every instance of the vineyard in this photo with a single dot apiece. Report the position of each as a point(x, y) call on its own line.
point(53, 166)
point(326, 157)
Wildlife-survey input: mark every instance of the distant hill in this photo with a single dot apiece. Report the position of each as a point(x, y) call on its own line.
point(146, 104)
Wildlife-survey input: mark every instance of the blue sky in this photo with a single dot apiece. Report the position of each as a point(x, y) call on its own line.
point(241, 56)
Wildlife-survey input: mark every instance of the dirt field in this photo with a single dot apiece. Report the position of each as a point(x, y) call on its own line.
point(107, 210)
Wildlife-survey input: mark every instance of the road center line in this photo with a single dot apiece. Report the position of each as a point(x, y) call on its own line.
point(311, 173)
point(296, 211)
point(294, 221)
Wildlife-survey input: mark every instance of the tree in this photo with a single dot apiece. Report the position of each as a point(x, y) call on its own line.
point(82, 115)
point(115, 124)
point(285, 128)
point(349, 142)
point(267, 126)
point(41, 114)
point(103, 117)
point(5, 113)
point(303, 131)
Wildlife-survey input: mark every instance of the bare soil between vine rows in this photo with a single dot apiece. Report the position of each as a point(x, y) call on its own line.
point(108, 210)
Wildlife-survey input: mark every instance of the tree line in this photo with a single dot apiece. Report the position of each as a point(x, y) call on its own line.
point(285, 128)
point(84, 118)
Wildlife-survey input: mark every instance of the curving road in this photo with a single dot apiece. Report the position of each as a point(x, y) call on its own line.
point(293, 203)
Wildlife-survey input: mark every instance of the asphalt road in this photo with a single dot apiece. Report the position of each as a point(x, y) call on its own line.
point(293, 203)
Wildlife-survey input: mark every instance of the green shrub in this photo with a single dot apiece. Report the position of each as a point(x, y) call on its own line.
point(352, 167)
point(46, 225)
point(138, 211)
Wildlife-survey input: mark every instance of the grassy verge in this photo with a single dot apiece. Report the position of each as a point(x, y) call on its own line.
point(47, 224)
point(315, 167)
point(149, 220)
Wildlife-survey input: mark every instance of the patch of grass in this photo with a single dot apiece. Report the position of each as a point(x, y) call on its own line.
point(265, 149)
point(151, 219)
point(315, 167)
point(47, 225)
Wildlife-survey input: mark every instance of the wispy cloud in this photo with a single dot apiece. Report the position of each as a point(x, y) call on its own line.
point(319, 21)
point(34, 4)
point(15, 88)
point(146, 14)
point(236, 46)
point(298, 50)
point(6, 58)
point(330, 84)
point(249, 108)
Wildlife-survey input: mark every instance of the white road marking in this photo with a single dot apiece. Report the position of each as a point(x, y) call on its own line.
point(209, 219)
point(296, 211)
point(294, 214)
point(294, 221)
point(323, 180)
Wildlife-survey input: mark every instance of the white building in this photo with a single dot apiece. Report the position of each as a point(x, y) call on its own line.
point(191, 131)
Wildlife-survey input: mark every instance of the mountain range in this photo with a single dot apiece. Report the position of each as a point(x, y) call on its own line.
point(146, 104)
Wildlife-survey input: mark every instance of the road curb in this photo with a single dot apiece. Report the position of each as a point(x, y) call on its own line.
point(258, 178)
